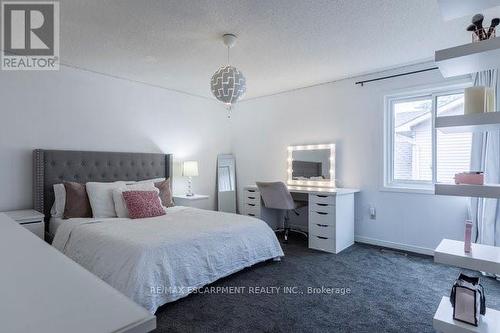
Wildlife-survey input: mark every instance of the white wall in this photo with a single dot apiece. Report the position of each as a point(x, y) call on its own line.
point(74, 109)
point(80, 110)
point(352, 117)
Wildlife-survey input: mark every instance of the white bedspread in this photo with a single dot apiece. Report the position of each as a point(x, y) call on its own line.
point(158, 260)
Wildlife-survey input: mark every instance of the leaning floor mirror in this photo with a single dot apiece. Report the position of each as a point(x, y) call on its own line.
point(226, 183)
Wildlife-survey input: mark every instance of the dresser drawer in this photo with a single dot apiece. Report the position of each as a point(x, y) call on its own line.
point(324, 230)
point(38, 228)
point(252, 199)
point(322, 199)
point(249, 205)
point(321, 208)
point(251, 192)
point(321, 218)
point(251, 210)
point(321, 243)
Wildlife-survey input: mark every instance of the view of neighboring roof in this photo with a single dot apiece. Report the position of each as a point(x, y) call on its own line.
point(449, 105)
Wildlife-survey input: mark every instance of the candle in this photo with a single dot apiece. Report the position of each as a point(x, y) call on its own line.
point(478, 100)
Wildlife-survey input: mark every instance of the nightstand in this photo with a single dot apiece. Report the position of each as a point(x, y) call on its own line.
point(30, 219)
point(197, 200)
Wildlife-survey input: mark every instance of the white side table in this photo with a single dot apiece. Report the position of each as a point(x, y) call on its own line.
point(196, 201)
point(30, 219)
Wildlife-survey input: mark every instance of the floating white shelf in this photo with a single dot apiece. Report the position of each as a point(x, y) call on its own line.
point(443, 320)
point(476, 122)
point(469, 58)
point(482, 257)
point(462, 190)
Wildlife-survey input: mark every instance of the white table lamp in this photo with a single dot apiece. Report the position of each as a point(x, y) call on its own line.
point(190, 169)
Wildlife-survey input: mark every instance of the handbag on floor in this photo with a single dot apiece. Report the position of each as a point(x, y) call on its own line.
point(468, 300)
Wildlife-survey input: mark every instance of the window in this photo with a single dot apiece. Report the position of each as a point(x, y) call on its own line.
point(418, 155)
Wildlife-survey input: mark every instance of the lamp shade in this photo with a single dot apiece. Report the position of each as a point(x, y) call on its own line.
point(228, 84)
point(190, 169)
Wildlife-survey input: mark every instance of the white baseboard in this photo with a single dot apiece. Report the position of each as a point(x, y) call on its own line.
point(392, 245)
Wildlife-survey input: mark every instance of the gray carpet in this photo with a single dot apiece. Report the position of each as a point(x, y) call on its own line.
point(389, 293)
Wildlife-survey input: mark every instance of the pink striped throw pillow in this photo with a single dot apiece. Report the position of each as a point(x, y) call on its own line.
point(142, 204)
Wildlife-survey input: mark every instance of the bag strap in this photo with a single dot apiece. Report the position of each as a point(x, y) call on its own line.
point(482, 299)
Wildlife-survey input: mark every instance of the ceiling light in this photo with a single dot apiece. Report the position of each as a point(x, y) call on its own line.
point(228, 84)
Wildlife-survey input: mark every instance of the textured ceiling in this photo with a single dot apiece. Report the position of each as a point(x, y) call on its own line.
point(283, 44)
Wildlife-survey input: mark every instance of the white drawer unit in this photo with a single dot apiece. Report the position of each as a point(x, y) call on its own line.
point(331, 222)
point(30, 219)
point(330, 215)
point(251, 202)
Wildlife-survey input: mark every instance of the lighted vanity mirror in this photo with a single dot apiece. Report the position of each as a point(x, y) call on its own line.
point(311, 165)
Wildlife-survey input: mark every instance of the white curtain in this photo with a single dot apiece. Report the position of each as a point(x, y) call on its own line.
point(485, 156)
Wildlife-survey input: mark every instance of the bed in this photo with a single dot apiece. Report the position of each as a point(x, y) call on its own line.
point(156, 260)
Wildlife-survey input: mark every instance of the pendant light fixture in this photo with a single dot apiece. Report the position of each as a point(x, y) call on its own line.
point(228, 84)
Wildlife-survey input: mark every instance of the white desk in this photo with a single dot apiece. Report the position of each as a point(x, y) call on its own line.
point(330, 215)
point(44, 291)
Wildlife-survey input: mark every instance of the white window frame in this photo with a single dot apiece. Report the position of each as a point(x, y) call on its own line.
point(429, 92)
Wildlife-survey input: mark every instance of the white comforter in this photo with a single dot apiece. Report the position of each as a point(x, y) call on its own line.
point(158, 260)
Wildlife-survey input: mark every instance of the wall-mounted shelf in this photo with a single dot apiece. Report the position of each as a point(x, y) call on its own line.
point(443, 320)
point(469, 58)
point(476, 122)
point(462, 190)
point(484, 258)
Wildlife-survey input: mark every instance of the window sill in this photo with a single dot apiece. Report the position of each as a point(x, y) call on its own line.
point(404, 189)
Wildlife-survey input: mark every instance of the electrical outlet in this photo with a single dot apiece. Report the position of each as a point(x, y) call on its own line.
point(373, 213)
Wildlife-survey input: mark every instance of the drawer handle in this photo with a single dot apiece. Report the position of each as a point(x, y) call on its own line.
point(250, 214)
point(320, 237)
point(253, 205)
point(322, 204)
point(322, 213)
point(322, 225)
point(251, 197)
point(252, 191)
point(321, 196)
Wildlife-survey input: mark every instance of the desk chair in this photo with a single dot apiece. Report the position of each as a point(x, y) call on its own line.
point(275, 195)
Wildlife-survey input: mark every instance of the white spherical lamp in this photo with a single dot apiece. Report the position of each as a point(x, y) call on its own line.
point(228, 84)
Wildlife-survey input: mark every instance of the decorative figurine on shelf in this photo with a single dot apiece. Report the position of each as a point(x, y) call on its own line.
point(482, 33)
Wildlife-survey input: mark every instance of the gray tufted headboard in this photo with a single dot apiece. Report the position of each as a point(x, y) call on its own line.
point(55, 166)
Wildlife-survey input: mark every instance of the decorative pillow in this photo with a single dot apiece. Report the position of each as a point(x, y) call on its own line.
point(154, 180)
point(77, 201)
point(101, 198)
point(120, 206)
point(57, 209)
point(165, 192)
point(143, 204)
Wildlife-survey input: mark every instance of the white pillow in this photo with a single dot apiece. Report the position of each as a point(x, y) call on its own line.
point(57, 209)
point(120, 205)
point(101, 198)
point(154, 180)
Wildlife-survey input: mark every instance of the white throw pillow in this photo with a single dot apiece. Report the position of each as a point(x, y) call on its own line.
point(101, 198)
point(120, 205)
point(57, 209)
point(154, 180)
